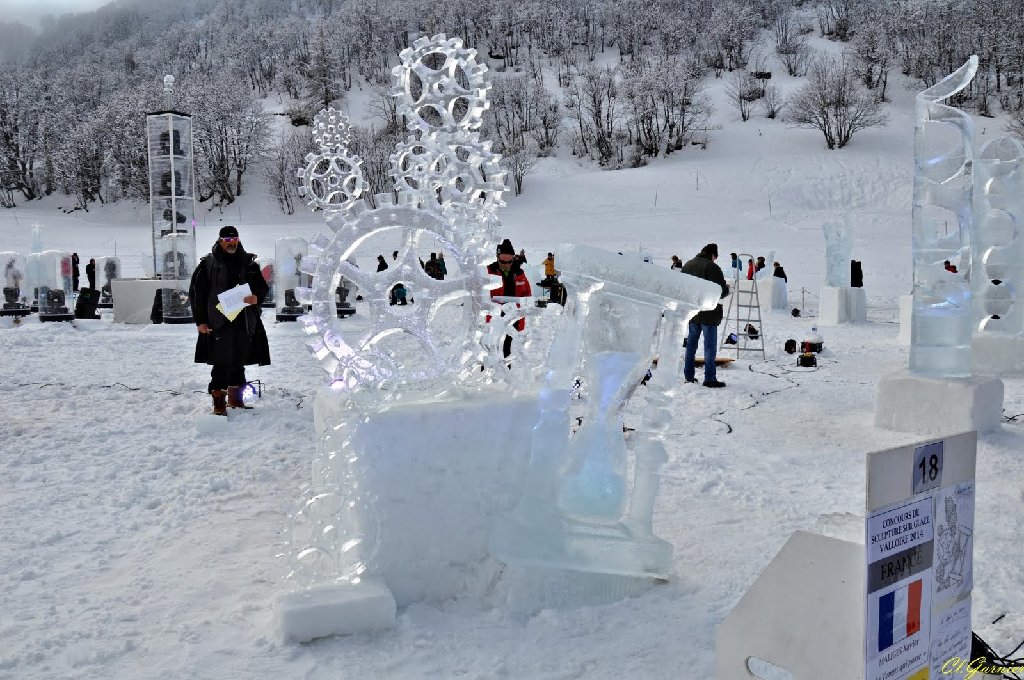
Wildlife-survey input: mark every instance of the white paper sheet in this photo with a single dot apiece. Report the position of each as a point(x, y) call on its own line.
point(232, 300)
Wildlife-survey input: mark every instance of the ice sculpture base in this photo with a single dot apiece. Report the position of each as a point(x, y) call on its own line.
point(997, 354)
point(440, 472)
point(842, 305)
point(562, 543)
point(910, 403)
point(334, 609)
point(529, 589)
point(906, 319)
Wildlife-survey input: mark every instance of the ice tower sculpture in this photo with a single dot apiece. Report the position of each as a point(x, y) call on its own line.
point(172, 203)
point(940, 342)
point(838, 251)
point(579, 511)
point(997, 262)
point(940, 394)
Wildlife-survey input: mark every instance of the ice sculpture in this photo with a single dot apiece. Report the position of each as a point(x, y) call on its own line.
point(997, 268)
point(14, 302)
point(172, 203)
point(940, 344)
point(54, 288)
point(289, 277)
point(838, 252)
point(448, 184)
point(578, 510)
point(107, 269)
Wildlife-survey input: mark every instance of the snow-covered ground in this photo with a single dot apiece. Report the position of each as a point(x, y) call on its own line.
point(132, 546)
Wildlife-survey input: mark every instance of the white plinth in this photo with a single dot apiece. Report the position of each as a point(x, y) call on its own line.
point(133, 298)
point(804, 613)
point(997, 354)
point(856, 305)
point(910, 403)
point(334, 609)
point(440, 472)
point(906, 314)
point(842, 305)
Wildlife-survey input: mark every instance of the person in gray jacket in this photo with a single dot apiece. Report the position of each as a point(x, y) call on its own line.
point(705, 322)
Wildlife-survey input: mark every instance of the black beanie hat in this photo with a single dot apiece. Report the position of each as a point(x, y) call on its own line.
point(711, 250)
point(506, 248)
point(228, 231)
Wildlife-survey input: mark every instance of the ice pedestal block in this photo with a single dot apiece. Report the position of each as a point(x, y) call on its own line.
point(998, 354)
point(911, 403)
point(439, 473)
point(856, 305)
point(334, 609)
point(842, 305)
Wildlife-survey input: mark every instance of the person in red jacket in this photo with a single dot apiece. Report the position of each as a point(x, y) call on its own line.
point(513, 283)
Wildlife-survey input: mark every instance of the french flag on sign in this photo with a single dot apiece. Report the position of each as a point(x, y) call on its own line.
point(899, 614)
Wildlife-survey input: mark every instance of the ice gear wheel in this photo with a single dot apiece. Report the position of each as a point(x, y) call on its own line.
point(331, 181)
point(332, 130)
point(440, 85)
point(361, 361)
point(455, 169)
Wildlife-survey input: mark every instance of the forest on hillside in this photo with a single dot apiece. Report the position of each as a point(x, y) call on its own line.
point(614, 81)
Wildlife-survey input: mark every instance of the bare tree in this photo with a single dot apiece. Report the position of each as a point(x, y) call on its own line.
point(835, 102)
point(772, 102)
point(872, 57)
point(519, 162)
point(743, 90)
point(791, 45)
point(283, 160)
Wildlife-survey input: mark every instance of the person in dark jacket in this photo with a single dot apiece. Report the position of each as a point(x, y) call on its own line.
point(228, 345)
point(75, 271)
point(513, 284)
point(382, 264)
point(90, 272)
point(705, 322)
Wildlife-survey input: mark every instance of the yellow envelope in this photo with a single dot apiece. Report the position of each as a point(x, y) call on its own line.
point(229, 317)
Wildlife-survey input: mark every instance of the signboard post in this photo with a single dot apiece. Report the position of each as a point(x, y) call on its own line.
point(918, 548)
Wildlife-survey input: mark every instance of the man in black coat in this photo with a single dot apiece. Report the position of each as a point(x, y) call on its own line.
point(705, 322)
point(228, 345)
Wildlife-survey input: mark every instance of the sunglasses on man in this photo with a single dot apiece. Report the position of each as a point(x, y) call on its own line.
point(229, 239)
point(510, 260)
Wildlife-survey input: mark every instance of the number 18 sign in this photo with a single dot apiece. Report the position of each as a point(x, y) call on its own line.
point(919, 525)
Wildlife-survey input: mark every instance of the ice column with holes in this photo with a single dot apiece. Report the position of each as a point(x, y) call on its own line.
point(997, 265)
point(939, 391)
